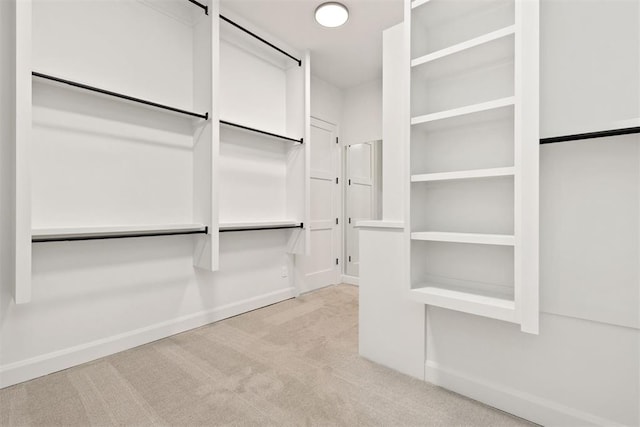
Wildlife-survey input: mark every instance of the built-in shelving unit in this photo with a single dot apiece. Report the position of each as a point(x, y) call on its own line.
point(264, 98)
point(88, 157)
point(473, 157)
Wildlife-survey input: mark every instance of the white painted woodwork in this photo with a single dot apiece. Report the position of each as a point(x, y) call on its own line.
point(469, 109)
point(261, 179)
point(392, 327)
point(78, 232)
point(474, 157)
point(465, 301)
point(320, 266)
point(380, 224)
point(155, 157)
point(485, 38)
point(480, 239)
point(589, 234)
point(254, 224)
point(361, 196)
point(452, 176)
point(23, 149)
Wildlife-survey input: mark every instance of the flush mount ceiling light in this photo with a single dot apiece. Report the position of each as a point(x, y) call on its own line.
point(331, 14)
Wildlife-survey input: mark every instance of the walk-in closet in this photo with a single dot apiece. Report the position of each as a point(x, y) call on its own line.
point(319, 213)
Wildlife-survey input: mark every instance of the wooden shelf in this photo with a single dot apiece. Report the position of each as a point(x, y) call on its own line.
point(259, 225)
point(469, 174)
point(469, 109)
point(438, 295)
point(113, 232)
point(260, 131)
point(474, 238)
point(477, 41)
point(61, 81)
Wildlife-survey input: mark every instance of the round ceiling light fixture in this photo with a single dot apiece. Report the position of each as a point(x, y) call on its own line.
point(331, 14)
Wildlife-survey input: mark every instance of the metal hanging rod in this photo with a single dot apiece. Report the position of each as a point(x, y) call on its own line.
point(275, 135)
point(204, 116)
point(591, 135)
point(203, 6)
point(116, 235)
point(261, 39)
point(270, 227)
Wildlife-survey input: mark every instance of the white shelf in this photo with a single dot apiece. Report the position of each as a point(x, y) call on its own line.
point(474, 238)
point(248, 225)
point(380, 224)
point(469, 109)
point(483, 305)
point(91, 233)
point(469, 174)
point(418, 3)
point(477, 41)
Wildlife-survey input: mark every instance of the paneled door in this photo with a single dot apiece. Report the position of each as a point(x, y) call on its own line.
point(322, 266)
point(361, 197)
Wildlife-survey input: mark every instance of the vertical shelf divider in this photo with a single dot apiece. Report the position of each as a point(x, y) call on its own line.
point(526, 138)
point(23, 132)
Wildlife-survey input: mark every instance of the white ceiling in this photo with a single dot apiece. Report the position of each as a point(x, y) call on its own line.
point(344, 56)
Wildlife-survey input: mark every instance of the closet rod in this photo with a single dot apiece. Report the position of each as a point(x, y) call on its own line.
point(119, 95)
point(271, 227)
point(275, 135)
point(591, 135)
point(119, 235)
point(204, 6)
point(224, 18)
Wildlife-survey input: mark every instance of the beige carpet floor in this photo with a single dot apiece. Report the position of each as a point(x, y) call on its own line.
point(293, 363)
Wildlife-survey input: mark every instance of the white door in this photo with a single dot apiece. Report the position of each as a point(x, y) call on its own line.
point(360, 198)
point(322, 265)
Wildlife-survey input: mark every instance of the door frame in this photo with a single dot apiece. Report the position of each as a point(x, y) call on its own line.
point(376, 200)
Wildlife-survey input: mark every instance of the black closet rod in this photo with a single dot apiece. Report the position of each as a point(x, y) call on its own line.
point(119, 95)
point(591, 135)
point(123, 235)
point(275, 135)
point(271, 227)
point(224, 18)
point(204, 6)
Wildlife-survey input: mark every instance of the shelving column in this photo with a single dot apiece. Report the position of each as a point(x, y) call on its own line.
point(473, 156)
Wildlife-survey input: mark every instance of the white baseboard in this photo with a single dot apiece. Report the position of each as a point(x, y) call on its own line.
point(38, 366)
point(524, 405)
point(351, 280)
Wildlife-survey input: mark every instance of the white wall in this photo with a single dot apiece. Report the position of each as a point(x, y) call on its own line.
point(362, 114)
point(326, 101)
point(94, 298)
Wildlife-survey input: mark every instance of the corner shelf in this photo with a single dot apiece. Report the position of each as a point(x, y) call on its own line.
point(475, 238)
point(460, 47)
point(469, 174)
point(462, 111)
point(116, 232)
